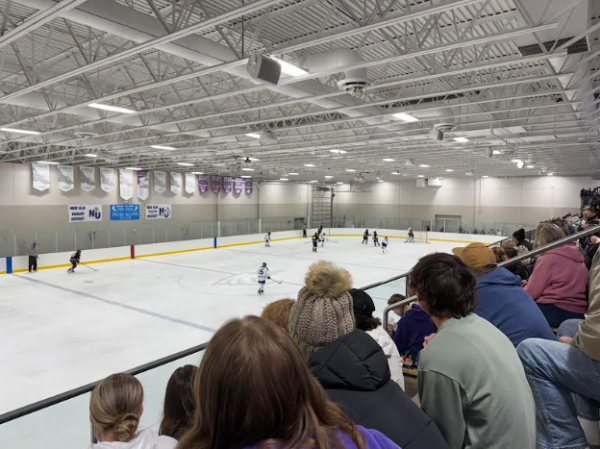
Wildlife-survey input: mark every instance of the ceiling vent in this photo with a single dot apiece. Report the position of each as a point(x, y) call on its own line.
point(580, 46)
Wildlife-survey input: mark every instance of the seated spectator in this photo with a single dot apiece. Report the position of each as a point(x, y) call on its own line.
point(398, 311)
point(254, 390)
point(565, 378)
point(519, 239)
point(510, 252)
point(559, 282)
point(500, 298)
point(471, 381)
point(350, 365)
point(180, 406)
point(278, 312)
point(365, 321)
point(116, 407)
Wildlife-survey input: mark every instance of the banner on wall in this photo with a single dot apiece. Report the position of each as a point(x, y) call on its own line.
point(158, 212)
point(190, 182)
point(227, 184)
point(175, 182)
point(238, 185)
point(143, 184)
point(215, 182)
point(40, 176)
point(78, 214)
point(203, 183)
point(160, 181)
point(248, 186)
point(122, 212)
point(66, 181)
point(107, 179)
point(125, 183)
point(87, 178)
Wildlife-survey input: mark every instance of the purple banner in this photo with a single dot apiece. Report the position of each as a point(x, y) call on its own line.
point(238, 185)
point(227, 184)
point(203, 183)
point(215, 182)
point(248, 186)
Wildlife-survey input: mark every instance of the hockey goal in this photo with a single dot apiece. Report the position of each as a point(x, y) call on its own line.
point(421, 237)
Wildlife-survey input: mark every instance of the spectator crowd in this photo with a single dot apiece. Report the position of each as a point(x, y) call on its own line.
point(506, 358)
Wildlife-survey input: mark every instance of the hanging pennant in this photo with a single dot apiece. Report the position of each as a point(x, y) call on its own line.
point(203, 183)
point(215, 182)
point(143, 184)
point(227, 184)
point(175, 182)
point(40, 176)
point(238, 185)
point(87, 178)
point(126, 183)
point(190, 183)
point(160, 181)
point(66, 181)
point(248, 186)
point(107, 179)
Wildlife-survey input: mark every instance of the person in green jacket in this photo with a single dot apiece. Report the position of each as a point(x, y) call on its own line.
point(470, 379)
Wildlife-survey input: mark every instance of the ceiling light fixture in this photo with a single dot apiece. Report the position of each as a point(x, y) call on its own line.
point(309, 165)
point(247, 169)
point(48, 162)
point(91, 155)
point(338, 151)
point(253, 135)
point(396, 173)
point(133, 168)
point(19, 131)
point(283, 179)
point(485, 176)
point(461, 139)
point(405, 117)
point(328, 177)
point(246, 176)
point(253, 159)
point(449, 170)
point(289, 68)
point(496, 152)
point(185, 164)
point(162, 147)
point(530, 166)
point(420, 176)
point(313, 181)
point(350, 170)
point(199, 173)
point(424, 166)
point(387, 159)
point(108, 107)
point(293, 174)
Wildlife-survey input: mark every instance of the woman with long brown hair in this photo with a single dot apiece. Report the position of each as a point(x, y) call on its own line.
point(254, 388)
point(179, 408)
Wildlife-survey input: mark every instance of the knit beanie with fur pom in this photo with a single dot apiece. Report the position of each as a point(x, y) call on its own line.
point(323, 312)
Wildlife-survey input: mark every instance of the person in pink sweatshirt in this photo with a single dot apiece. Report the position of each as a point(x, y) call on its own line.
point(559, 281)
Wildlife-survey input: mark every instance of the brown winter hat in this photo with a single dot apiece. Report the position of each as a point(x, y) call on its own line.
point(323, 312)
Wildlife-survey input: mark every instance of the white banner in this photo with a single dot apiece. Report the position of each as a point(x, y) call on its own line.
point(87, 178)
point(66, 181)
point(126, 183)
point(160, 181)
point(190, 182)
point(143, 184)
point(41, 176)
point(175, 182)
point(158, 212)
point(107, 179)
point(85, 213)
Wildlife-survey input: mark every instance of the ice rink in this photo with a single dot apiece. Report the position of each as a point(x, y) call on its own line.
point(61, 331)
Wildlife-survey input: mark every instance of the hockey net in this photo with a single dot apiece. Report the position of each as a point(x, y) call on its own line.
point(421, 237)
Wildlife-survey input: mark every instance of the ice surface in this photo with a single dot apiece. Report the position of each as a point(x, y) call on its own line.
point(61, 331)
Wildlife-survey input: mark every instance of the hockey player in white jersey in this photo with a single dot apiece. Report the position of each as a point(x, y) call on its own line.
point(268, 239)
point(263, 275)
point(384, 244)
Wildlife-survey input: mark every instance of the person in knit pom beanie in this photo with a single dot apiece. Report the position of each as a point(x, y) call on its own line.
point(323, 311)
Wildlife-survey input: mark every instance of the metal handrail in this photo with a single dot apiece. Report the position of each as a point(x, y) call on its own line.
point(506, 263)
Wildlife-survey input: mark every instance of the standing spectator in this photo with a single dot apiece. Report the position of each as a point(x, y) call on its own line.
point(270, 399)
point(566, 374)
point(471, 381)
point(116, 407)
point(179, 408)
point(33, 257)
point(500, 298)
point(278, 312)
point(519, 239)
point(350, 365)
point(559, 282)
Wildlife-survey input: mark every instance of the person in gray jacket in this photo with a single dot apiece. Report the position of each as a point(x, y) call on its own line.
point(470, 379)
point(33, 257)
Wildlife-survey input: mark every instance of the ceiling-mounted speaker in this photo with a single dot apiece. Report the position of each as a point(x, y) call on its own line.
point(262, 68)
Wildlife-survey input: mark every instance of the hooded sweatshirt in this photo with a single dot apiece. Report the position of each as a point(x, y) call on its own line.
point(502, 301)
point(391, 352)
point(354, 372)
point(412, 329)
point(560, 278)
point(145, 439)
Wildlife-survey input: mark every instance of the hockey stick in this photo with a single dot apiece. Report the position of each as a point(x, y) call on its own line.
point(277, 280)
point(93, 269)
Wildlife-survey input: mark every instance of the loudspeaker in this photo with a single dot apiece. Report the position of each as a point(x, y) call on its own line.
point(263, 68)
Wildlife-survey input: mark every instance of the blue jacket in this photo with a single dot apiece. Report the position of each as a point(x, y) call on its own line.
point(502, 301)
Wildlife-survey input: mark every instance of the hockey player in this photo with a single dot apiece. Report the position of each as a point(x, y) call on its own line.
point(268, 239)
point(315, 242)
point(411, 236)
point(385, 244)
point(366, 237)
point(375, 239)
point(322, 238)
point(75, 260)
point(263, 275)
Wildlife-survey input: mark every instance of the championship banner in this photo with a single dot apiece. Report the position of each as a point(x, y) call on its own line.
point(143, 184)
point(175, 182)
point(227, 184)
point(66, 182)
point(203, 183)
point(248, 186)
point(158, 212)
point(160, 181)
point(238, 185)
point(190, 182)
point(121, 212)
point(87, 178)
point(215, 182)
point(107, 179)
point(125, 184)
point(78, 214)
point(41, 176)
